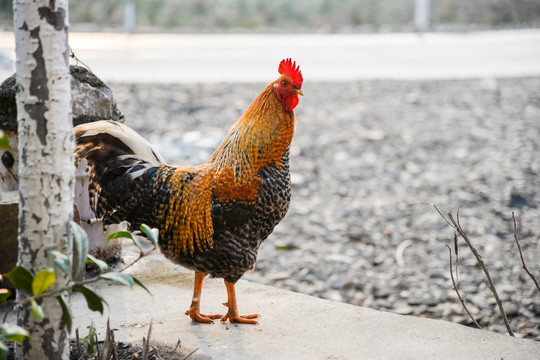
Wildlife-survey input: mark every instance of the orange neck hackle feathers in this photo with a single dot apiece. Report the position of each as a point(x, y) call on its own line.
point(265, 131)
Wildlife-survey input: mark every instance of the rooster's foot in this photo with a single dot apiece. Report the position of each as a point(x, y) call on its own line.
point(196, 316)
point(243, 319)
point(233, 317)
point(232, 314)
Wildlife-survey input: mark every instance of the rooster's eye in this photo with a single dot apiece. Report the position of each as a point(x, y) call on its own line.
point(284, 83)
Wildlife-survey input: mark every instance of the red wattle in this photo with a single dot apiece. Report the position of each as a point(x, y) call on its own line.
point(290, 102)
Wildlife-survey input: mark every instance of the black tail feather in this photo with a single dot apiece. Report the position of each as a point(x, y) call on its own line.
point(117, 158)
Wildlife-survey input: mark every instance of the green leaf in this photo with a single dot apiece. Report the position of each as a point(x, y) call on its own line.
point(21, 278)
point(37, 310)
point(120, 235)
point(81, 247)
point(43, 280)
point(127, 235)
point(62, 261)
point(13, 332)
point(151, 233)
point(140, 283)
point(4, 141)
point(3, 351)
point(138, 245)
point(66, 312)
point(93, 299)
point(102, 265)
point(4, 295)
point(119, 278)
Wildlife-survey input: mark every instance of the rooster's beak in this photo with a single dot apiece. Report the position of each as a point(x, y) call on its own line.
point(299, 92)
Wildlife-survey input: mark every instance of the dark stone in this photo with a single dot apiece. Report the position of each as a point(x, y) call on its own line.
point(84, 84)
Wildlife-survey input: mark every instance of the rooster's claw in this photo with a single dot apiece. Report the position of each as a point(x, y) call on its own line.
point(242, 319)
point(196, 316)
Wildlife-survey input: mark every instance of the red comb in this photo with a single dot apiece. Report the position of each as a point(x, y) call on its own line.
point(289, 68)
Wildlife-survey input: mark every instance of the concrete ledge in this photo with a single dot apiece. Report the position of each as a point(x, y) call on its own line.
point(292, 326)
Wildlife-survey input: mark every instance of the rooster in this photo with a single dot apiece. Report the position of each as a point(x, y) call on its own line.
point(212, 218)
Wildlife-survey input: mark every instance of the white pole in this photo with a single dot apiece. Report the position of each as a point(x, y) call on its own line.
point(421, 15)
point(130, 15)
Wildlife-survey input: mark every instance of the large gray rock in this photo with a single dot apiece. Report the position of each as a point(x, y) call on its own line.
point(91, 99)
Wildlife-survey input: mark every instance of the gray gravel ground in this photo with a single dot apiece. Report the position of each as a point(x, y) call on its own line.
point(368, 159)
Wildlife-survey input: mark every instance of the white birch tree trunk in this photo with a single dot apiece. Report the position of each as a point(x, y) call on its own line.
point(46, 164)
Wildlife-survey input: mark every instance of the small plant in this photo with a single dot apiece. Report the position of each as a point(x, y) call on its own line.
point(37, 286)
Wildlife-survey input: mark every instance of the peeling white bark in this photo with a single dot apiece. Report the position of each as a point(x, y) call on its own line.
point(46, 165)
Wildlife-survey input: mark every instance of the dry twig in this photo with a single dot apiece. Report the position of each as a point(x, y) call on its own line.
point(454, 284)
point(72, 55)
point(175, 348)
point(106, 342)
point(97, 346)
point(141, 255)
point(191, 353)
point(114, 350)
point(146, 342)
point(79, 352)
point(456, 248)
point(109, 345)
point(457, 227)
point(521, 255)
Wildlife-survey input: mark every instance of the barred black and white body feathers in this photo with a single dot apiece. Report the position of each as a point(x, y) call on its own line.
point(225, 244)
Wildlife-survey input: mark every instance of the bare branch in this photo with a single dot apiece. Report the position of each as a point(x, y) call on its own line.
point(72, 55)
point(191, 353)
point(141, 255)
point(454, 285)
point(456, 248)
point(146, 344)
point(107, 344)
point(97, 346)
point(491, 285)
point(79, 352)
point(521, 255)
point(114, 349)
point(178, 344)
point(444, 217)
